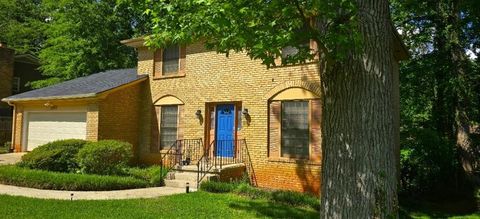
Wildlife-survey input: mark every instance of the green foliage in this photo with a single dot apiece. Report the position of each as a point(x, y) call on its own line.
point(7, 144)
point(191, 205)
point(150, 174)
point(72, 38)
point(428, 162)
point(278, 196)
point(217, 187)
point(6, 147)
point(105, 157)
point(260, 28)
point(295, 199)
point(54, 156)
point(245, 189)
point(40, 179)
point(83, 37)
point(22, 25)
point(439, 90)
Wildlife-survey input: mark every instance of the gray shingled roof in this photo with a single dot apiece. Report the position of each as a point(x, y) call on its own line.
point(87, 86)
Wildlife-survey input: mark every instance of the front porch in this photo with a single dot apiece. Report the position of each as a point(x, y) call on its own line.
point(189, 161)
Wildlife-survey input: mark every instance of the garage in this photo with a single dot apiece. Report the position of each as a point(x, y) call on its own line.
point(44, 127)
point(104, 105)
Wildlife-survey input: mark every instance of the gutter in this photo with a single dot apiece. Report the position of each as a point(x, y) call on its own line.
point(135, 42)
point(51, 98)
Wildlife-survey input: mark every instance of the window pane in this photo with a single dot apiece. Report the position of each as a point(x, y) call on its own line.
point(168, 126)
point(295, 129)
point(170, 60)
point(16, 85)
point(291, 50)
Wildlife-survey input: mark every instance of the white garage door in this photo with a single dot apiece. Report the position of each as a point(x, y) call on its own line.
point(46, 127)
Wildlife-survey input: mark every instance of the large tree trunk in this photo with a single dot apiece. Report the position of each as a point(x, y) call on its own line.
point(447, 44)
point(462, 122)
point(359, 178)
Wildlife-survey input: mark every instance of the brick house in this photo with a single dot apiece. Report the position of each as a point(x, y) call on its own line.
point(187, 104)
point(16, 70)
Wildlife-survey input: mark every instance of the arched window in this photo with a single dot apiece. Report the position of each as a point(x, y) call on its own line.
point(167, 122)
point(294, 124)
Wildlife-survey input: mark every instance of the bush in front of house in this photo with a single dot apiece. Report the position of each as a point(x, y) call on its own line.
point(5, 148)
point(151, 174)
point(295, 199)
point(217, 187)
point(106, 157)
point(247, 190)
point(58, 156)
point(279, 196)
point(40, 179)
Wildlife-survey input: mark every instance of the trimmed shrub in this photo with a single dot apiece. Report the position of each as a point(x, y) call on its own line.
point(217, 187)
point(40, 179)
point(5, 148)
point(279, 196)
point(56, 156)
point(150, 174)
point(295, 199)
point(247, 190)
point(106, 157)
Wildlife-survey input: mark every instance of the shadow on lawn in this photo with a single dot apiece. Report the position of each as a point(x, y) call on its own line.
point(273, 210)
point(441, 208)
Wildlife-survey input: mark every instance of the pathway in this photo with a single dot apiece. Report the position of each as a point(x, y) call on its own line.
point(10, 158)
point(90, 195)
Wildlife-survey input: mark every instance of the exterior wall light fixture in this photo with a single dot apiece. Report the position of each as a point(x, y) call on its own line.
point(245, 112)
point(198, 114)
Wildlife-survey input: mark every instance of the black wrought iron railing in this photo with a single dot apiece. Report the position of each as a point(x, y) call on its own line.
point(182, 152)
point(220, 153)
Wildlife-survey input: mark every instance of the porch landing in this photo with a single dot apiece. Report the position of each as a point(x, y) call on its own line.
point(179, 176)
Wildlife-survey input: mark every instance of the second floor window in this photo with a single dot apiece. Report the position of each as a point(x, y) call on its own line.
point(170, 60)
point(289, 51)
point(16, 85)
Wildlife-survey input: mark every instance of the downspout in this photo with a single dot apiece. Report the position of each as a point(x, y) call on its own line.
point(14, 122)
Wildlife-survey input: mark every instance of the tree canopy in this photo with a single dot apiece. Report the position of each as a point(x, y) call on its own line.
point(72, 38)
point(439, 88)
point(22, 23)
point(345, 34)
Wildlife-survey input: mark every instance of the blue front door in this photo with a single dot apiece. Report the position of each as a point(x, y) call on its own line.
point(225, 130)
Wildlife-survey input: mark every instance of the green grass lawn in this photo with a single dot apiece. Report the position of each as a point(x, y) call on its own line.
point(193, 205)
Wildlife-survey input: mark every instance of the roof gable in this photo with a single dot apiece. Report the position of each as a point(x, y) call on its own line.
point(88, 86)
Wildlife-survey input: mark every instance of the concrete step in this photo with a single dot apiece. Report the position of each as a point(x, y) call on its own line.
point(213, 169)
point(192, 176)
point(178, 183)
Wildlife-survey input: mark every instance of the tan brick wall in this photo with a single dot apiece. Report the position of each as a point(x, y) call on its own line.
point(92, 121)
point(17, 132)
point(118, 116)
point(232, 174)
point(212, 77)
